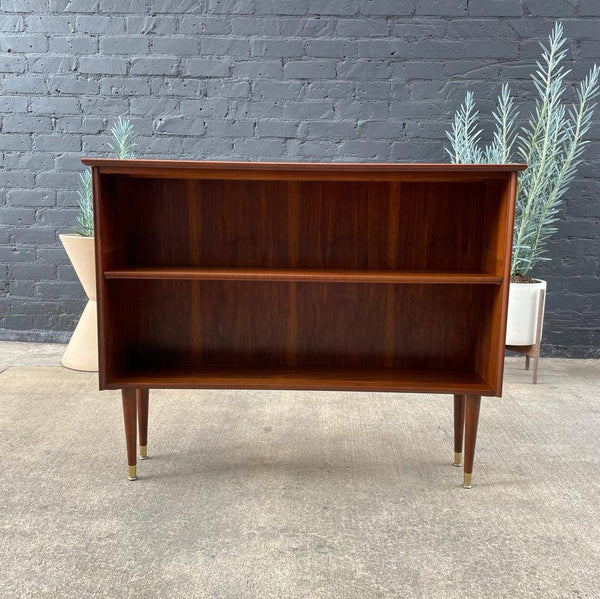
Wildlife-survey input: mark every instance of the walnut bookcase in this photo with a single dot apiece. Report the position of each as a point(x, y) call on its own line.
point(368, 277)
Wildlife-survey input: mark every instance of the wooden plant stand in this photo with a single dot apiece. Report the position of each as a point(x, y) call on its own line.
point(533, 351)
point(363, 277)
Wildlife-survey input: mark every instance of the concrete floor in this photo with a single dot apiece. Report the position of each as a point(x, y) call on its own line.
point(297, 494)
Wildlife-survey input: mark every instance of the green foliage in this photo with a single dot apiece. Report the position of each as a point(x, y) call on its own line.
point(85, 218)
point(123, 145)
point(465, 135)
point(551, 143)
point(505, 135)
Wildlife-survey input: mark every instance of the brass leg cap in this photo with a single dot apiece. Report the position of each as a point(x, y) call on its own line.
point(467, 481)
point(143, 452)
point(132, 473)
point(457, 458)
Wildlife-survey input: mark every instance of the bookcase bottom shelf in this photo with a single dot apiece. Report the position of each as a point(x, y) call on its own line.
point(320, 379)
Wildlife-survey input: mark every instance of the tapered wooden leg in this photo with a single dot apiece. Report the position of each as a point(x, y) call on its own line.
point(536, 359)
point(527, 359)
point(129, 417)
point(459, 427)
point(142, 414)
point(472, 404)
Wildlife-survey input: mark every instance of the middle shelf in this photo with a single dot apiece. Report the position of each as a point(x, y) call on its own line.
point(303, 275)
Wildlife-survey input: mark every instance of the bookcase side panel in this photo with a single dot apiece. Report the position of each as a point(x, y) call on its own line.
point(496, 259)
point(493, 251)
point(107, 249)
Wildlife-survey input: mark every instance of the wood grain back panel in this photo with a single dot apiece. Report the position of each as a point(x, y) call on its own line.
point(194, 324)
point(351, 225)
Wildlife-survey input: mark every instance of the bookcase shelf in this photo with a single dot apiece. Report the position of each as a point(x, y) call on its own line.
point(302, 276)
point(306, 378)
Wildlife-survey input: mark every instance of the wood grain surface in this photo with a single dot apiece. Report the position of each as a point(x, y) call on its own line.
point(305, 276)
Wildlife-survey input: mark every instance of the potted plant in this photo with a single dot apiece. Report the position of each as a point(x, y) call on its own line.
point(552, 143)
point(82, 351)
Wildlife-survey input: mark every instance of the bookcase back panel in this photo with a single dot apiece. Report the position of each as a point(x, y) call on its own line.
point(193, 324)
point(404, 226)
point(439, 226)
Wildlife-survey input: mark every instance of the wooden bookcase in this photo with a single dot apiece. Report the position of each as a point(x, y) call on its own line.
point(368, 277)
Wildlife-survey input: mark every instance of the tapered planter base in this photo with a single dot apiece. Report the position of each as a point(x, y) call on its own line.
point(82, 351)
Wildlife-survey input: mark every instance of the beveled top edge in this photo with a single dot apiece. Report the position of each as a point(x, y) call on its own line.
point(123, 165)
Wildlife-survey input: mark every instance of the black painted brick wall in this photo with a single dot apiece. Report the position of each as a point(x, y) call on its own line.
point(332, 80)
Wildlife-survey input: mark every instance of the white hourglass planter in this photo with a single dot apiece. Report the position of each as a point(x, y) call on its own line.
point(82, 351)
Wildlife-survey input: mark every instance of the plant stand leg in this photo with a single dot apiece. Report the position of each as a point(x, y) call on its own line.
point(527, 360)
point(130, 420)
point(538, 337)
point(472, 404)
point(459, 427)
point(142, 414)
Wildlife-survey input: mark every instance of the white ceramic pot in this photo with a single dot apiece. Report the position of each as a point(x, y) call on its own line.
point(523, 306)
point(82, 351)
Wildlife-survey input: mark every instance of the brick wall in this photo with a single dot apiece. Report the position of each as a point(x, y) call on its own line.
point(368, 80)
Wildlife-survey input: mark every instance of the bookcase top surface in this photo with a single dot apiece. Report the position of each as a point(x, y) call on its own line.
point(283, 170)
